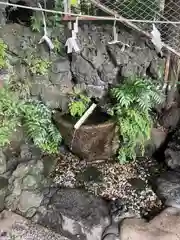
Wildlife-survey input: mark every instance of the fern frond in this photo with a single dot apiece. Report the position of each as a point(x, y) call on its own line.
point(39, 126)
point(134, 100)
point(79, 104)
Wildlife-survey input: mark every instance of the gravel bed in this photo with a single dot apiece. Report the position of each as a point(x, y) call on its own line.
point(111, 180)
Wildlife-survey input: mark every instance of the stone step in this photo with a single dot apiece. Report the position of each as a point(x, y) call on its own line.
point(15, 227)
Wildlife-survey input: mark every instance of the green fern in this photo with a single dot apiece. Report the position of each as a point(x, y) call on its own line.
point(57, 46)
point(21, 86)
point(58, 7)
point(39, 66)
point(36, 22)
point(39, 126)
point(33, 115)
point(3, 54)
point(79, 104)
point(134, 100)
point(9, 115)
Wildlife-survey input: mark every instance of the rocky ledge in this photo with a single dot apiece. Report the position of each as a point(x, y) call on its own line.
point(81, 201)
point(78, 201)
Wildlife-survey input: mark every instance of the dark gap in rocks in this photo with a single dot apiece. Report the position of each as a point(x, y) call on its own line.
point(74, 80)
point(149, 73)
point(111, 56)
point(153, 213)
point(99, 73)
point(119, 77)
point(85, 59)
point(19, 15)
point(90, 174)
point(159, 153)
point(159, 156)
point(137, 184)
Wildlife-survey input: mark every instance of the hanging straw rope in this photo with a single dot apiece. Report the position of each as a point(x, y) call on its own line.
point(119, 18)
point(83, 16)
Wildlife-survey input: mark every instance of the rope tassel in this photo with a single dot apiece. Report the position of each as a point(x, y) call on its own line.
point(45, 38)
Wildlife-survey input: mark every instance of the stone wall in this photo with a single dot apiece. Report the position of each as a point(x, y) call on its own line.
point(100, 65)
point(97, 67)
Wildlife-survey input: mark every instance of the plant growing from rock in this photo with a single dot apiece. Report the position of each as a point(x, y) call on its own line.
point(21, 86)
point(34, 116)
point(57, 46)
point(39, 127)
point(133, 102)
point(39, 66)
point(58, 6)
point(36, 22)
point(78, 104)
point(9, 115)
point(3, 54)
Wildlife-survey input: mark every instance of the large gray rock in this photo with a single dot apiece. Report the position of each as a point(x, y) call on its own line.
point(158, 138)
point(171, 118)
point(168, 188)
point(165, 226)
point(3, 13)
point(3, 192)
point(172, 157)
point(24, 186)
point(2, 162)
point(29, 201)
point(32, 167)
point(75, 213)
point(53, 97)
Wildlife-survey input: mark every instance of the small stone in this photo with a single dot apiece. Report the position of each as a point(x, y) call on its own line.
point(49, 164)
point(38, 168)
point(29, 200)
point(11, 202)
point(21, 170)
point(25, 152)
point(30, 182)
point(31, 212)
point(16, 186)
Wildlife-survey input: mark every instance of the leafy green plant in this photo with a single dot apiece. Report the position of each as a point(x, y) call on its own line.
point(38, 124)
point(78, 104)
point(39, 66)
point(58, 6)
point(57, 46)
point(36, 22)
point(3, 54)
point(9, 115)
point(134, 100)
point(21, 86)
point(34, 116)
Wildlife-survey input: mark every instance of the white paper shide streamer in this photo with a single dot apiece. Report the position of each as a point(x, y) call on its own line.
point(45, 37)
point(156, 39)
point(115, 35)
point(115, 38)
point(71, 42)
